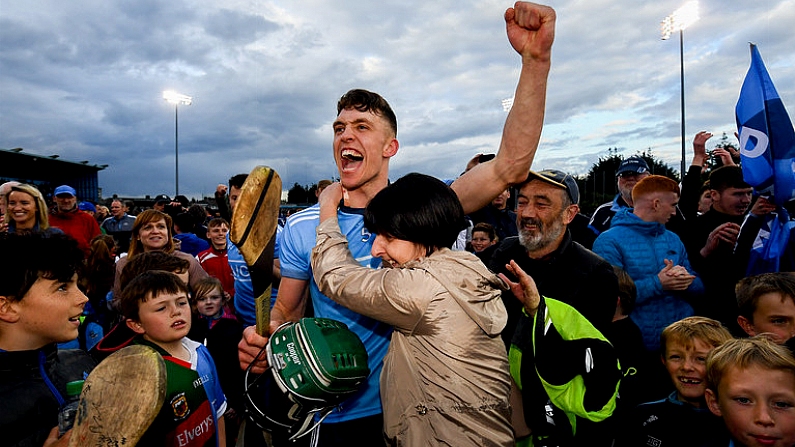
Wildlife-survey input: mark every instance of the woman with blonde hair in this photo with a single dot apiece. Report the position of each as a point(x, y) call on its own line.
point(153, 231)
point(27, 210)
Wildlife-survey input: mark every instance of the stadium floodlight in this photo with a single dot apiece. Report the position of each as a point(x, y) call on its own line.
point(177, 99)
point(678, 21)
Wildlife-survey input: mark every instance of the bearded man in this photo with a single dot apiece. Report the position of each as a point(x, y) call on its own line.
point(564, 271)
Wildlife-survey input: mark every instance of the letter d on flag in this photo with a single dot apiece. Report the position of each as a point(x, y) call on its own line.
point(767, 138)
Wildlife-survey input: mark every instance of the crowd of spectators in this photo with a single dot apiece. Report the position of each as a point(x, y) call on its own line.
point(654, 321)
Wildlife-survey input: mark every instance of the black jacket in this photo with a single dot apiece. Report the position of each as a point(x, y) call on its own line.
point(670, 422)
point(719, 271)
point(30, 401)
point(503, 221)
point(572, 274)
point(575, 276)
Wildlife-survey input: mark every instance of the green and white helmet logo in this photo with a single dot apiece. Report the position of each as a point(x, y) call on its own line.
point(316, 363)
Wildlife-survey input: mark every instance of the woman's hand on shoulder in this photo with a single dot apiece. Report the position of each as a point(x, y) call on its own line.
point(329, 200)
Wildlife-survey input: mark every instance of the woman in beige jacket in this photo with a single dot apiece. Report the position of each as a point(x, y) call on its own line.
point(445, 379)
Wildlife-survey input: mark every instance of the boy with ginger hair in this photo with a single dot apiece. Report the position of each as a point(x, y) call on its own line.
point(654, 257)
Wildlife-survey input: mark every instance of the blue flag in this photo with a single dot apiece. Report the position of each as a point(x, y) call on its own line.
point(767, 138)
point(770, 243)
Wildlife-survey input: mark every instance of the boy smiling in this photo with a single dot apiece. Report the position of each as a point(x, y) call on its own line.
point(215, 260)
point(40, 306)
point(685, 345)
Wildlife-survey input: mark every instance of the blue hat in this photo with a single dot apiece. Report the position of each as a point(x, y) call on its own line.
point(633, 164)
point(65, 189)
point(87, 206)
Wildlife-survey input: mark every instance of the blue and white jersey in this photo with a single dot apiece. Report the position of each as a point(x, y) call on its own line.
point(244, 291)
point(202, 362)
point(298, 240)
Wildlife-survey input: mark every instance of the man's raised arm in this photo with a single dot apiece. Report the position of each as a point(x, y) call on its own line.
point(531, 31)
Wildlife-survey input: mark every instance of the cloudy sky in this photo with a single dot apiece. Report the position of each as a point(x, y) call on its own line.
point(84, 79)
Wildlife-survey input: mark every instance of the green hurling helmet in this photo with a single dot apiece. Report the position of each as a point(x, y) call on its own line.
point(315, 364)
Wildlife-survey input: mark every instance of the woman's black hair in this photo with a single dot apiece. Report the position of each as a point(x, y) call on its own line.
point(417, 208)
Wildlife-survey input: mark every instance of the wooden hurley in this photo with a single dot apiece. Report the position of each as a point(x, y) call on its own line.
point(254, 222)
point(120, 398)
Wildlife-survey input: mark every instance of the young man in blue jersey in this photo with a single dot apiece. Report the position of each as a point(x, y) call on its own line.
point(365, 138)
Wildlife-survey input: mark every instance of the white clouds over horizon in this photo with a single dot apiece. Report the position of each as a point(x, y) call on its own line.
point(84, 79)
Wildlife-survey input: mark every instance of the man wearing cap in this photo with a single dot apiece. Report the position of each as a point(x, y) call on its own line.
point(88, 208)
point(119, 224)
point(563, 270)
point(75, 223)
point(546, 203)
point(630, 171)
point(160, 202)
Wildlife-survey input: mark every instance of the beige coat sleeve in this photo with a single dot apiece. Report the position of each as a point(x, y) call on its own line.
point(396, 296)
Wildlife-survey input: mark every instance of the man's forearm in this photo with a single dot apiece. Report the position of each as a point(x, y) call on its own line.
point(520, 138)
point(524, 123)
point(531, 31)
point(291, 300)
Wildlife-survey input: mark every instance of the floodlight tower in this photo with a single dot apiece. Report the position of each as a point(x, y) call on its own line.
point(176, 98)
point(678, 21)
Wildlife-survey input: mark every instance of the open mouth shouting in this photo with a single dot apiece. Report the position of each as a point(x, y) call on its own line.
point(350, 159)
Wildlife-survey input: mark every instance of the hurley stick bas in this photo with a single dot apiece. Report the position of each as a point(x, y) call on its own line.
point(254, 222)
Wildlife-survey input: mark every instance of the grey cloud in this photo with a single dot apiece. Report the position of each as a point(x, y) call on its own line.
point(84, 79)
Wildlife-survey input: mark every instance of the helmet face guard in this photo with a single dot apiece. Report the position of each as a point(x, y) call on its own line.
point(313, 365)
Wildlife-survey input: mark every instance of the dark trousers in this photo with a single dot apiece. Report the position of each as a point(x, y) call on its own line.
point(367, 431)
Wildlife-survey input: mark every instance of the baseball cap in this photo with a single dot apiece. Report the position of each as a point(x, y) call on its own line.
point(559, 179)
point(633, 164)
point(182, 200)
point(65, 189)
point(87, 206)
point(162, 198)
